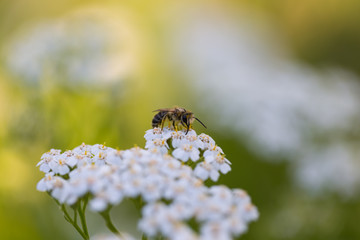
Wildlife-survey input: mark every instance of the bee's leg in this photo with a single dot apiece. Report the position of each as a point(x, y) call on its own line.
point(163, 121)
point(162, 124)
point(187, 129)
point(174, 126)
point(182, 123)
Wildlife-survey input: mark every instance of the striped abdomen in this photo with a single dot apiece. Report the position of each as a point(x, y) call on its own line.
point(157, 120)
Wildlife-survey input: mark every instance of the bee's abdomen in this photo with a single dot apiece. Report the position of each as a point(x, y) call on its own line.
point(158, 119)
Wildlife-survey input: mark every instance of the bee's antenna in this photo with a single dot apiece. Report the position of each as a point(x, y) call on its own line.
point(200, 122)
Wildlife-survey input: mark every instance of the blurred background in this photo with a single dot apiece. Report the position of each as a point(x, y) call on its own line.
point(276, 82)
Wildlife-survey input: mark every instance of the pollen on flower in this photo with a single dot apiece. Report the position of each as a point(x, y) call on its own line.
point(249, 207)
point(187, 147)
point(157, 131)
point(54, 152)
point(136, 151)
point(159, 142)
point(166, 156)
point(207, 166)
point(220, 159)
point(61, 162)
point(177, 135)
point(69, 153)
point(154, 150)
point(102, 155)
point(119, 153)
point(204, 137)
point(171, 165)
point(240, 193)
point(198, 183)
point(58, 183)
point(191, 138)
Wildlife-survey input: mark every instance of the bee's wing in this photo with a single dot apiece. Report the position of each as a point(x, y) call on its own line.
point(165, 110)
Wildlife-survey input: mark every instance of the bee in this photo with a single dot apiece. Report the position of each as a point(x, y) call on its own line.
point(176, 116)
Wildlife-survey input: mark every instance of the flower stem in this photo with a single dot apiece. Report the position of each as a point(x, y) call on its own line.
point(75, 216)
point(70, 220)
point(106, 215)
point(81, 211)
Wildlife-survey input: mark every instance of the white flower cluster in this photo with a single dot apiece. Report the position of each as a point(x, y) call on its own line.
point(174, 193)
point(201, 149)
point(222, 213)
point(85, 46)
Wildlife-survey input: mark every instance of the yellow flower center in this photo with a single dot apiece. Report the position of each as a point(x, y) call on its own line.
point(187, 147)
point(220, 159)
point(191, 138)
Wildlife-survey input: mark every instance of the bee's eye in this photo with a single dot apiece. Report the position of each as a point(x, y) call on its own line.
point(184, 118)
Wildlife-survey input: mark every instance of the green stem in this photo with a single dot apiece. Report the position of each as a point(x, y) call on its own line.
point(105, 214)
point(85, 202)
point(70, 220)
point(82, 217)
point(75, 216)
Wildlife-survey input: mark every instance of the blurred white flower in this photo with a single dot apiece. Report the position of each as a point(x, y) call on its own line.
point(58, 165)
point(46, 158)
point(46, 184)
point(60, 189)
point(124, 236)
point(89, 46)
point(220, 163)
point(331, 168)
point(279, 106)
point(206, 170)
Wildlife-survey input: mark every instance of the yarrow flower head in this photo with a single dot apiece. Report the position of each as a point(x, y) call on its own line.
point(201, 148)
point(168, 176)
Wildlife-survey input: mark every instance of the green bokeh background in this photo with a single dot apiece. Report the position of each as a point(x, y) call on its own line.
point(49, 114)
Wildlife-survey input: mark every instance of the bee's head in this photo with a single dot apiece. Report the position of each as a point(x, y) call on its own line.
point(188, 118)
